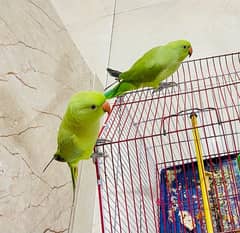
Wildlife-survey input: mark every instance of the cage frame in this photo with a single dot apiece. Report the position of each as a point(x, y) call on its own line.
point(219, 71)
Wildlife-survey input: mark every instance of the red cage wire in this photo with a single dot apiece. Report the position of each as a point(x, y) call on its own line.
point(149, 182)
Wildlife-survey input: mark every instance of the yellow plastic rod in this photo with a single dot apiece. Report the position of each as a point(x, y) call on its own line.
point(201, 171)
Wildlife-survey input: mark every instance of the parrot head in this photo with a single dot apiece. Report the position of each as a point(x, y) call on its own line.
point(183, 48)
point(87, 106)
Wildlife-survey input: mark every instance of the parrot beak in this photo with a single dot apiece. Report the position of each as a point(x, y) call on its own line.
point(190, 51)
point(106, 107)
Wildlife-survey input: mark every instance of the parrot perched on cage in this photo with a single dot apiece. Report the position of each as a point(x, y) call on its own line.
point(151, 69)
point(79, 129)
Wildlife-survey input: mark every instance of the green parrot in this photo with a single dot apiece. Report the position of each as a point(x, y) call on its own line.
point(151, 69)
point(79, 130)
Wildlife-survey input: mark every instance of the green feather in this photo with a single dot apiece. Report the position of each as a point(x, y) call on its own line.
point(119, 90)
point(74, 175)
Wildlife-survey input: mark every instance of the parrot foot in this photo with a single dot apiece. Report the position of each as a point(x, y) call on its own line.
point(97, 155)
point(101, 141)
point(164, 85)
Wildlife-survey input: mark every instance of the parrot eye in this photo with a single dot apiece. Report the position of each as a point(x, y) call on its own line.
point(184, 46)
point(93, 107)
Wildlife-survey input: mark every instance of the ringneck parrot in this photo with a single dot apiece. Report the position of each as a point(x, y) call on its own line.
point(151, 69)
point(79, 130)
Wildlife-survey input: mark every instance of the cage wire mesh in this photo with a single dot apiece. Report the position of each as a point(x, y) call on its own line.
point(149, 182)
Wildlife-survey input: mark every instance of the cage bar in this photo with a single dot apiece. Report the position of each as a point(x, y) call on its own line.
point(201, 172)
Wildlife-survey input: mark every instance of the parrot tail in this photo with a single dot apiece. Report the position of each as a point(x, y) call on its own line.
point(55, 157)
point(112, 92)
point(44, 169)
point(114, 73)
point(120, 89)
point(74, 173)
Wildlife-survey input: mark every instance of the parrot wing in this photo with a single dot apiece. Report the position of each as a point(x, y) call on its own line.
point(149, 66)
point(68, 147)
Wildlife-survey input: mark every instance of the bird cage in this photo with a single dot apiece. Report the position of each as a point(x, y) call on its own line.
point(171, 155)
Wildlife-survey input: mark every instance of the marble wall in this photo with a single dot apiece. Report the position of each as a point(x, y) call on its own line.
point(40, 68)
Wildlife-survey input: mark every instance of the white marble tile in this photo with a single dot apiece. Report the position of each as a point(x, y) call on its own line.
point(210, 26)
point(80, 10)
point(126, 6)
point(94, 44)
point(89, 23)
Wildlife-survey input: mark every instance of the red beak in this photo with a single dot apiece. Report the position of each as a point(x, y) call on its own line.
point(106, 107)
point(190, 51)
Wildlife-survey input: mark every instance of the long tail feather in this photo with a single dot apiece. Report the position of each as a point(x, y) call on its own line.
point(74, 174)
point(44, 169)
point(109, 94)
point(55, 157)
point(114, 73)
point(119, 90)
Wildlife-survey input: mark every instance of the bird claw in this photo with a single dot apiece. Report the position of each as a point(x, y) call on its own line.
point(96, 155)
point(101, 141)
point(164, 85)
